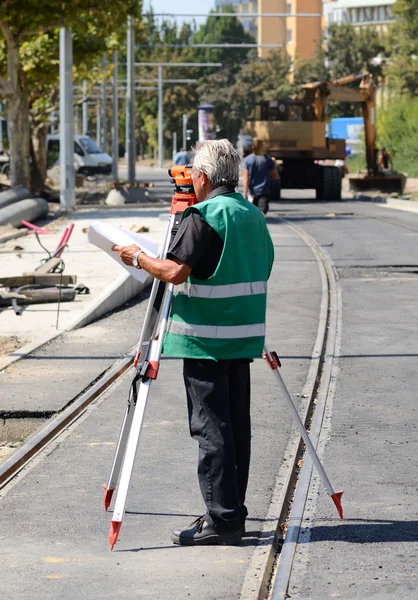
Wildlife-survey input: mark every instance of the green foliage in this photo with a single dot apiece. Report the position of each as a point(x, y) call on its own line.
point(311, 69)
point(397, 130)
point(235, 92)
point(222, 30)
point(403, 68)
point(351, 51)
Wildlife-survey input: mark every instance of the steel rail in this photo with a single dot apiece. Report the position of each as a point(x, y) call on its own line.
point(281, 578)
point(281, 547)
point(10, 467)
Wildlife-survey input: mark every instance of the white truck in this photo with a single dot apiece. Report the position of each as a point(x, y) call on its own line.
point(89, 159)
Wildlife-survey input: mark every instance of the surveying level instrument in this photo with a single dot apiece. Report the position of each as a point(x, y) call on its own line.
point(147, 361)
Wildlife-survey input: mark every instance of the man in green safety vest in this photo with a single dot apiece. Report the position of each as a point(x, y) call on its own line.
point(220, 261)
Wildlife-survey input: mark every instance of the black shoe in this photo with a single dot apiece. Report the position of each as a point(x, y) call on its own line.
point(201, 533)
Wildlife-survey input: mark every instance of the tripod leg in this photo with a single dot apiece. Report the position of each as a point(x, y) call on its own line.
point(274, 363)
point(112, 480)
point(128, 462)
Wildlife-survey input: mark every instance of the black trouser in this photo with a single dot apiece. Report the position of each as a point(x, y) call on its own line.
point(218, 399)
point(262, 202)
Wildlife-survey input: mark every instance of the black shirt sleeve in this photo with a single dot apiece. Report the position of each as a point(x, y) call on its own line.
point(197, 245)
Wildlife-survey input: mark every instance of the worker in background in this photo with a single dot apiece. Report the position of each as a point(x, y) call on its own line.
point(385, 160)
point(181, 158)
point(260, 176)
point(223, 254)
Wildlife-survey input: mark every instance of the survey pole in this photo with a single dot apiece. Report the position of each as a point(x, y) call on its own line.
point(67, 199)
point(115, 121)
point(85, 115)
point(130, 101)
point(103, 131)
point(160, 118)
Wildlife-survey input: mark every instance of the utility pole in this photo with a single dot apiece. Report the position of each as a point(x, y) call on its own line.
point(160, 118)
point(115, 124)
point(76, 122)
point(85, 118)
point(67, 199)
point(98, 126)
point(174, 144)
point(185, 119)
point(130, 102)
point(103, 130)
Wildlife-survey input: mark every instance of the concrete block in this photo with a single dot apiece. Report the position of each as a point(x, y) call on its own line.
point(127, 195)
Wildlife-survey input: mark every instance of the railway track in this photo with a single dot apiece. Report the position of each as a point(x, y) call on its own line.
point(270, 569)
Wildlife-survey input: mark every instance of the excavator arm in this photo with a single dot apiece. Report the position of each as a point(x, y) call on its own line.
point(320, 92)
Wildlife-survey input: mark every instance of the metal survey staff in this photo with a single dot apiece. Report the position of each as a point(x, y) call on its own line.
point(222, 255)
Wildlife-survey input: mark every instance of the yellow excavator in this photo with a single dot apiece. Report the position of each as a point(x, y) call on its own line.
point(295, 132)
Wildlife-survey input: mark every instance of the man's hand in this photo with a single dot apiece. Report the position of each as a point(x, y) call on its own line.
point(126, 253)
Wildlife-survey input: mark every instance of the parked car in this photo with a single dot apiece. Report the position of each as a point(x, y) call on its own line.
point(89, 159)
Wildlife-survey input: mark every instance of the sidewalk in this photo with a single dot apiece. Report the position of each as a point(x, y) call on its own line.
point(91, 265)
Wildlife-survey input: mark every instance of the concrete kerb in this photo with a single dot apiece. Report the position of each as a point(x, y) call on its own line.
point(113, 296)
point(116, 294)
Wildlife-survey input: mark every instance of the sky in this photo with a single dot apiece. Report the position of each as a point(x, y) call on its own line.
point(181, 6)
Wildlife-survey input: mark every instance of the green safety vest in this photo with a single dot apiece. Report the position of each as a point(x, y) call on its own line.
point(223, 317)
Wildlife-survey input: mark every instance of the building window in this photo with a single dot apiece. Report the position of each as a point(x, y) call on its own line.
point(289, 8)
point(289, 37)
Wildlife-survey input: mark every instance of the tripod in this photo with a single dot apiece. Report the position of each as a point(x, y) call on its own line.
point(147, 361)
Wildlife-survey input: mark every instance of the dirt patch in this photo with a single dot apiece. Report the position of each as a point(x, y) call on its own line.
point(9, 344)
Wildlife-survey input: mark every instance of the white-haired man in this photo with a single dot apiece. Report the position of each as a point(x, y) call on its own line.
point(223, 254)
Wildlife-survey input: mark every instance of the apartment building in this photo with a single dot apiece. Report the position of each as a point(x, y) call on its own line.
point(360, 13)
point(298, 36)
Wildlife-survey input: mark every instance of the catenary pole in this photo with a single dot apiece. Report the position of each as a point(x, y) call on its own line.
point(185, 119)
point(130, 102)
point(85, 117)
point(67, 200)
point(98, 119)
point(174, 144)
point(160, 118)
point(103, 132)
point(115, 124)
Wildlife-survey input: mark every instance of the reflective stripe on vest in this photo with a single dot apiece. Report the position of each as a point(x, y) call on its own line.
point(221, 332)
point(223, 291)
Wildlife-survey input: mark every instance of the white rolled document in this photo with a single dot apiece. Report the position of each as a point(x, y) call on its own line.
point(105, 236)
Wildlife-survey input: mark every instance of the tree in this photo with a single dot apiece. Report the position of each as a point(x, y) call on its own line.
point(397, 130)
point(22, 27)
point(221, 30)
point(234, 93)
point(403, 68)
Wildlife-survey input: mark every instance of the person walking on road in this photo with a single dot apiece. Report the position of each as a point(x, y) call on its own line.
point(220, 261)
point(260, 173)
point(181, 158)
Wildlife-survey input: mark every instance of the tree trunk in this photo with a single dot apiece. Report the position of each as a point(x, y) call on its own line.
point(39, 145)
point(18, 125)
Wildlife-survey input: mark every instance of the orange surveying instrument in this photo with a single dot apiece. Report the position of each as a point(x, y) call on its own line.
point(147, 360)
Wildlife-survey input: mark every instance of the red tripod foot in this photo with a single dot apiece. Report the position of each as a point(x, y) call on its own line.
point(114, 532)
point(336, 496)
point(107, 497)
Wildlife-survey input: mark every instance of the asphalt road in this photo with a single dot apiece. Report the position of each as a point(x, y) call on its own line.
point(371, 434)
point(53, 539)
